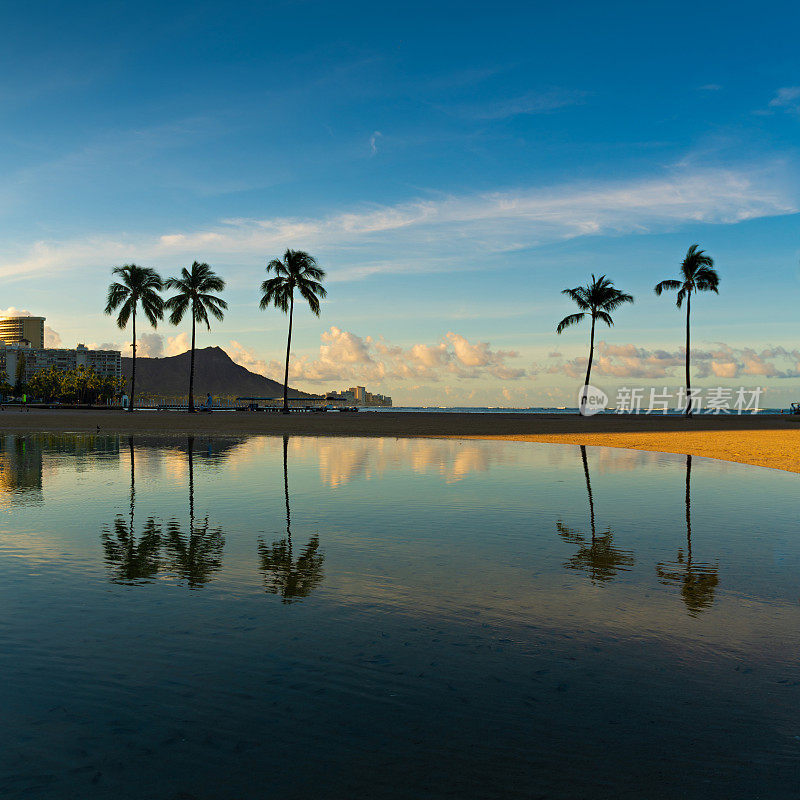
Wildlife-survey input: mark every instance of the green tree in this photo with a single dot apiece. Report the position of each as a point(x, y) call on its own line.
point(597, 300)
point(136, 285)
point(195, 289)
point(19, 375)
point(697, 274)
point(298, 270)
point(5, 387)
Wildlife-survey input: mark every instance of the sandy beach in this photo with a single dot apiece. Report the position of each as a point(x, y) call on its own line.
point(766, 441)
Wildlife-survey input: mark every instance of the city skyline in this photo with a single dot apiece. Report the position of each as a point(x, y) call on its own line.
point(468, 173)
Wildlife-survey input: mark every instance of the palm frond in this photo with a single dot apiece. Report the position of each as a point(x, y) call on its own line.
point(572, 319)
point(667, 286)
point(604, 317)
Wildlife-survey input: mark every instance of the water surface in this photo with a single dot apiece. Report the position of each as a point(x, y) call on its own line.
point(326, 617)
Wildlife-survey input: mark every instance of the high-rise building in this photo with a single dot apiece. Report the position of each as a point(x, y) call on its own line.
point(104, 362)
point(23, 330)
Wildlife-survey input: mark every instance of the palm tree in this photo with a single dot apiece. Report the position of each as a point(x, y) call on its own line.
point(291, 579)
point(298, 270)
point(597, 299)
point(697, 275)
point(195, 289)
point(137, 284)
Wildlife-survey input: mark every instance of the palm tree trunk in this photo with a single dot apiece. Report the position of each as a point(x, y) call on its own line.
point(688, 375)
point(288, 350)
point(191, 371)
point(133, 365)
point(588, 366)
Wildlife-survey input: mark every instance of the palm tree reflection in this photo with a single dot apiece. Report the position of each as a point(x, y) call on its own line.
point(196, 557)
point(291, 579)
point(597, 557)
point(132, 561)
point(698, 581)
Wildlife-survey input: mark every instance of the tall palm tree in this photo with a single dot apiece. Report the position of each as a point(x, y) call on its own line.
point(298, 270)
point(195, 289)
point(597, 299)
point(136, 285)
point(697, 275)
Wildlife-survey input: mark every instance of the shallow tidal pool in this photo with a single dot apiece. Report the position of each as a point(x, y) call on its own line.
point(375, 618)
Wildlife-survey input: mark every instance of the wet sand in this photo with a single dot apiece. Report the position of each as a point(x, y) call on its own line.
point(766, 441)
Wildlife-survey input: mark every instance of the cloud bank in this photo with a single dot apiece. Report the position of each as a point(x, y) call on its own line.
point(346, 358)
point(717, 360)
point(367, 239)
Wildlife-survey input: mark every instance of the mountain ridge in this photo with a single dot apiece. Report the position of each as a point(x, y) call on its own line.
point(215, 373)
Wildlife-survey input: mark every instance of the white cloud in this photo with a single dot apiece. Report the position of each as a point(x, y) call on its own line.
point(150, 345)
point(177, 344)
point(787, 97)
point(14, 312)
point(530, 103)
point(366, 239)
point(719, 360)
point(346, 358)
point(373, 142)
point(51, 337)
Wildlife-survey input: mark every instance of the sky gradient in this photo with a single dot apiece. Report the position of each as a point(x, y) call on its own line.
point(452, 166)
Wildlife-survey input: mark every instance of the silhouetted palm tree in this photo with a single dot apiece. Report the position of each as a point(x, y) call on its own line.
point(136, 285)
point(697, 581)
point(298, 270)
point(132, 561)
point(597, 299)
point(195, 557)
point(195, 289)
point(598, 557)
point(282, 574)
point(697, 275)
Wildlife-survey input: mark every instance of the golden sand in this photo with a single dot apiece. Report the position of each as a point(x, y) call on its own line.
point(765, 441)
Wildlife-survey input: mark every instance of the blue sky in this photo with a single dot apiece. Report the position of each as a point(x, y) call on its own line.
point(452, 166)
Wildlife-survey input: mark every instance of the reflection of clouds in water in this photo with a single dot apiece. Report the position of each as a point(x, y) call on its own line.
point(342, 460)
point(613, 459)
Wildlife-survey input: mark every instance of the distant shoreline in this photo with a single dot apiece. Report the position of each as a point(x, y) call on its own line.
point(761, 440)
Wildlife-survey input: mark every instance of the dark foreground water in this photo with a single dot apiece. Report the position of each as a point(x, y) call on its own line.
point(339, 618)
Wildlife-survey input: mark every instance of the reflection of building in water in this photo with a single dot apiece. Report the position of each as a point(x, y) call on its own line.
point(20, 469)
